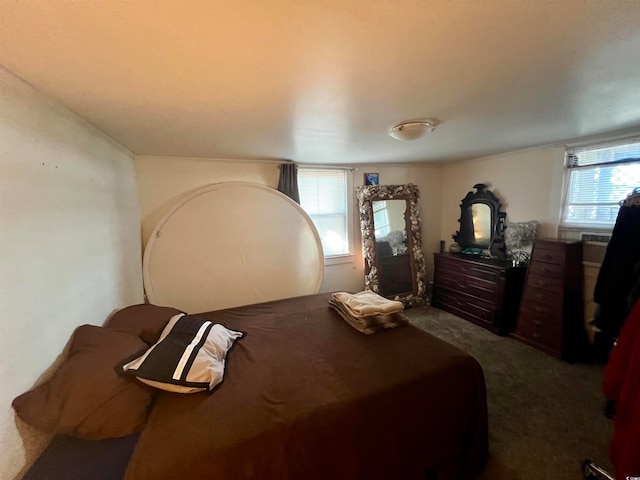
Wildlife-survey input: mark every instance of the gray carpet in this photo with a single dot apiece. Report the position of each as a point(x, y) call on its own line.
point(545, 415)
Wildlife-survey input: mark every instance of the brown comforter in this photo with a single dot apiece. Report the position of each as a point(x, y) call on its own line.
point(306, 396)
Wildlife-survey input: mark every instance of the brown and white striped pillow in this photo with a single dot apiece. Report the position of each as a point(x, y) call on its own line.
point(189, 356)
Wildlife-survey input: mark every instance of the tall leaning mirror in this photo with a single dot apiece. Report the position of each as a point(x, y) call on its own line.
point(392, 242)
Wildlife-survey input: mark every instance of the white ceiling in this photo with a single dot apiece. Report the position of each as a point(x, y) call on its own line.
point(321, 81)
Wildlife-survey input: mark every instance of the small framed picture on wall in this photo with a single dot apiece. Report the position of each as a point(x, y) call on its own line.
point(371, 179)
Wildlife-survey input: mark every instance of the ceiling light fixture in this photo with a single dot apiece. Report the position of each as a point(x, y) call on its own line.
point(412, 129)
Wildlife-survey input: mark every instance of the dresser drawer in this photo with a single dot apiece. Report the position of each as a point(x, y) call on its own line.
point(464, 305)
point(549, 270)
point(469, 285)
point(542, 316)
point(546, 283)
point(550, 298)
point(548, 255)
point(544, 335)
point(453, 267)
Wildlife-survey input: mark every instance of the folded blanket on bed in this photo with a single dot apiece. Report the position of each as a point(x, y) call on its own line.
point(378, 315)
point(366, 303)
point(371, 323)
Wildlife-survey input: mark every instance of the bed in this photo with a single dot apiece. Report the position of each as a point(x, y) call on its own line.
point(305, 395)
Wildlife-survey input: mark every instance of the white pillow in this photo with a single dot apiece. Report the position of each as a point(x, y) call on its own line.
point(189, 356)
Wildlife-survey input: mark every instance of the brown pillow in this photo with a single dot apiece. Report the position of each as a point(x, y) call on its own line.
point(145, 320)
point(85, 397)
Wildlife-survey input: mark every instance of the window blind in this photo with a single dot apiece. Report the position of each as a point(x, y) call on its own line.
point(381, 219)
point(600, 178)
point(323, 195)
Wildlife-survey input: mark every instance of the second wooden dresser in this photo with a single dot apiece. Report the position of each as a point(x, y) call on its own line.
point(484, 291)
point(551, 313)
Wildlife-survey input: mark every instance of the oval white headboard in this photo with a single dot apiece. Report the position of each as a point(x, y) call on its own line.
point(231, 244)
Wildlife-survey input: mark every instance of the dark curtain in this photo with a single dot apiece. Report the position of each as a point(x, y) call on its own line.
point(288, 181)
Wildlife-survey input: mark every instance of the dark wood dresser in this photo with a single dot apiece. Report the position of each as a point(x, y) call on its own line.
point(485, 291)
point(551, 313)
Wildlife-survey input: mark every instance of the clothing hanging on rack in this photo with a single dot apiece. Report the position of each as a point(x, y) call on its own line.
point(617, 319)
point(618, 277)
point(621, 383)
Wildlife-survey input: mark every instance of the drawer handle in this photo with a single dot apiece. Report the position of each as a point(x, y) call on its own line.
point(546, 270)
point(547, 256)
point(537, 322)
point(461, 304)
point(540, 309)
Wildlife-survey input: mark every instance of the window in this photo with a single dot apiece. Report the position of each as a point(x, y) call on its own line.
point(600, 177)
point(323, 195)
point(381, 219)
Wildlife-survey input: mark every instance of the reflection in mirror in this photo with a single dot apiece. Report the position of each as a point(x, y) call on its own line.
point(392, 242)
point(394, 266)
point(481, 224)
point(390, 224)
point(481, 218)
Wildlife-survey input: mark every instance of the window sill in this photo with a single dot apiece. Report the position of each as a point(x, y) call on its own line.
point(338, 259)
point(585, 227)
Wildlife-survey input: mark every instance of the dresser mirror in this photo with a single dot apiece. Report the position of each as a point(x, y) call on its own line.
point(482, 224)
point(392, 242)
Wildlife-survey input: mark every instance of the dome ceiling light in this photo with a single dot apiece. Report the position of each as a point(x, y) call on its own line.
point(412, 129)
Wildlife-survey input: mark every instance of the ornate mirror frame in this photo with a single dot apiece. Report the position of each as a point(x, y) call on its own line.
point(464, 236)
point(366, 196)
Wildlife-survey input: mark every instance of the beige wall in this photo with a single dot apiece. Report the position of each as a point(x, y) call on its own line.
point(529, 184)
point(162, 180)
point(69, 245)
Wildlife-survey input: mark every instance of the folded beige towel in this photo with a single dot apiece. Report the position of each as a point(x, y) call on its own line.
point(367, 311)
point(363, 304)
point(370, 323)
